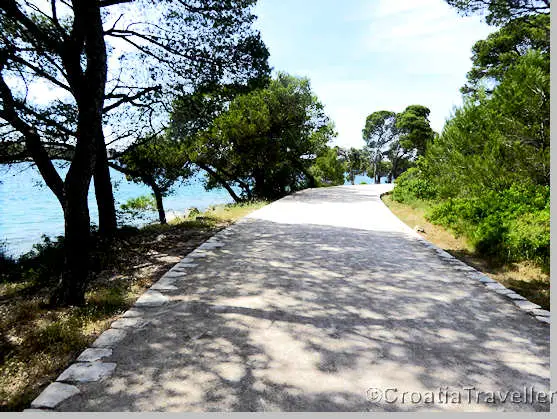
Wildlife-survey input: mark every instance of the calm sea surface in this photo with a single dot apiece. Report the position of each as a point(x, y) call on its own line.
point(29, 210)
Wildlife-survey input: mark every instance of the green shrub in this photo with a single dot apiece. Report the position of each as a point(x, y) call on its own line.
point(45, 262)
point(8, 264)
point(139, 208)
point(512, 224)
point(529, 238)
point(193, 212)
point(412, 185)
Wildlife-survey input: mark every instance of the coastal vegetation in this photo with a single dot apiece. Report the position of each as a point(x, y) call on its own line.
point(112, 69)
point(204, 102)
point(486, 176)
point(179, 100)
point(263, 143)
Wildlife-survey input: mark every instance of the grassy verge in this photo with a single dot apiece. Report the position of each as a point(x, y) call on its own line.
point(526, 278)
point(38, 342)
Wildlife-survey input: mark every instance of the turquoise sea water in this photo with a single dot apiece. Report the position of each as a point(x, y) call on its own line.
point(29, 210)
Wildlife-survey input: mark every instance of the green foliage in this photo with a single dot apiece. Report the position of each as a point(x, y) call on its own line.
point(488, 171)
point(354, 162)
point(521, 106)
point(512, 224)
point(379, 131)
point(7, 263)
point(44, 263)
point(140, 203)
point(157, 161)
point(491, 144)
point(493, 56)
point(140, 207)
point(414, 128)
point(399, 138)
point(263, 142)
point(498, 12)
point(193, 212)
point(412, 186)
point(328, 169)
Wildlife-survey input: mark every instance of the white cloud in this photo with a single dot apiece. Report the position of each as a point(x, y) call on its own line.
point(363, 56)
point(432, 37)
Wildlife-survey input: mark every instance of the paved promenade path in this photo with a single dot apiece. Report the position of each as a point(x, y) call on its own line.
point(307, 304)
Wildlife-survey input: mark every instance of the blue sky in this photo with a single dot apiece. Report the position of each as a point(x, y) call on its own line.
point(364, 56)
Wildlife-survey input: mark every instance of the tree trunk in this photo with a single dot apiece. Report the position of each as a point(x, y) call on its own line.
point(88, 88)
point(259, 187)
point(103, 193)
point(222, 182)
point(72, 286)
point(394, 170)
point(160, 206)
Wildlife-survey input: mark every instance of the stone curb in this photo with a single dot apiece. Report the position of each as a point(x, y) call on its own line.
point(518, 300)
point(89, 366)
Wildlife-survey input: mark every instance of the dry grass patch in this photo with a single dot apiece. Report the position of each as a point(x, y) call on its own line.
point(526, 278)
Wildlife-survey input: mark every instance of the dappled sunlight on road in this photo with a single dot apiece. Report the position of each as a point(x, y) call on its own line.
point(306, 316)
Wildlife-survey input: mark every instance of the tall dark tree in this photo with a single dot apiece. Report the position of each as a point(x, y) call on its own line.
point(400, 137)
point(414, 128)
point(379, 131)
point(72, 56)
point(109, 67)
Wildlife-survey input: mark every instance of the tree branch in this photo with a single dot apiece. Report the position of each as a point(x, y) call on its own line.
point(106, 3)
point(127, 99)
point(32, 139)
point(12, 10)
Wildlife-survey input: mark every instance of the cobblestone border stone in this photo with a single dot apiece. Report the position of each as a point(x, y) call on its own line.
point(89, 365)
point(518, 300)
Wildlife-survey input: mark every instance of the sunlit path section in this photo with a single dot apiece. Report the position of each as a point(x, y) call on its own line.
point(332, 207)
point(321, 301)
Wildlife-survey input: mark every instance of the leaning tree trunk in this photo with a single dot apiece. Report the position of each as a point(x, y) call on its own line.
point(160, 207)
point(103, 192)
point(224, 183)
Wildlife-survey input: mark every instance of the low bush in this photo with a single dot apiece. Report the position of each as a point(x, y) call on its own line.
point(512, 224)
point(43, 263)
point(140, 208)
point(7, 264)
point(412, 186)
